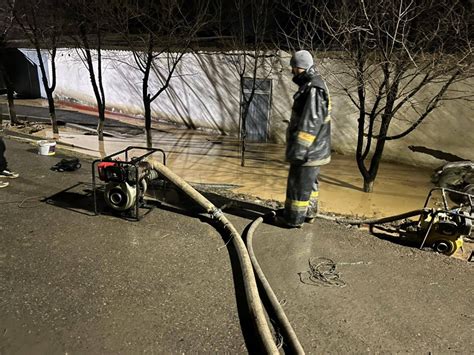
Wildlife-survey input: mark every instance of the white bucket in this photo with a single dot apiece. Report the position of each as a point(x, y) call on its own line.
point(46, 148)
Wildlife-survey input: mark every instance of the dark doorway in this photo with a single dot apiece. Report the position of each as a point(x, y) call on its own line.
point(22, 73)
point(256, 126)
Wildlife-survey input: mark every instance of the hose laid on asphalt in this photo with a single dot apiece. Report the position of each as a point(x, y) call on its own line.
point(372, 221)
point(287, 330)
point(257, 312)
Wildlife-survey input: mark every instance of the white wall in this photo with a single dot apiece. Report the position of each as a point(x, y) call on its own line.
point(202, 93)
point(205, 93)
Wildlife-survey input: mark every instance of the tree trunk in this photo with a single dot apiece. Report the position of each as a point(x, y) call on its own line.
point(11, 106)
point(371, 174)
point(102, 150)
point(52, 112)
point(146, 97)
point(242, 156)
point(368, 185)
point(100, 130)
point(375, 161)
point(101, 124)
point(149, 140)
point(49, 90)
point(96, 82)
point(243, 133)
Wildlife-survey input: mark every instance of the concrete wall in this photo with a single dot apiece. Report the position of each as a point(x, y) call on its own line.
point(204, 93)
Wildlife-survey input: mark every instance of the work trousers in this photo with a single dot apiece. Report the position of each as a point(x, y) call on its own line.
point(3, 161)
point(302, 194)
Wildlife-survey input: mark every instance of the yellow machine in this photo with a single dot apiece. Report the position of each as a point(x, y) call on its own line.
point(441, 228)
point(442, 231)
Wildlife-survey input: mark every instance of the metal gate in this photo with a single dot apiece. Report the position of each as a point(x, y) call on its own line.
point(256, 124)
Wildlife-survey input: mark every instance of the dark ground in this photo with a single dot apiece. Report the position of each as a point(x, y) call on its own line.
point(75, 283)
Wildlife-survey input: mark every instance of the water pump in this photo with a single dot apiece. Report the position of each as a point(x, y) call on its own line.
point(125, 183)
point(125, 180)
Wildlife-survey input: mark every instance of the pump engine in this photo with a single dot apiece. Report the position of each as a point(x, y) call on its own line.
point(440, 230)
point(126, 181)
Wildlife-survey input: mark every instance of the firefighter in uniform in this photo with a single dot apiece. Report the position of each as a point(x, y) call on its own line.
point(308, 143)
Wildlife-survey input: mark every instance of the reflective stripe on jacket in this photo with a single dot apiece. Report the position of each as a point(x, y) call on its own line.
point(309, 131)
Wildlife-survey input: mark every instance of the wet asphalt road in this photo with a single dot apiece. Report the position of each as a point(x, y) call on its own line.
point(72, 282)
point(75, 283)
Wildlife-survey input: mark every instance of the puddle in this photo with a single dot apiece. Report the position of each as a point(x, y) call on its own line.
point(211, 159)
point(208, 159)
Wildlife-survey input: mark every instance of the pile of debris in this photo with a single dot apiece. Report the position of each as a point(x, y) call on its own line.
point(24, 126)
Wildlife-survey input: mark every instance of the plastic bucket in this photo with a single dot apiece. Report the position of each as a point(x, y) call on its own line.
point(46, 148)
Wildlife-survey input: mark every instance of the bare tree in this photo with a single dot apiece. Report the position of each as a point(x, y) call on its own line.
point(42, 23)
point(252, 59)
point(90, 20)
point(394, 59)
point(158, 34)
point(6, 24)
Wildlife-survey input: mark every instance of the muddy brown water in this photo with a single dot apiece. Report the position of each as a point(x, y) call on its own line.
point(208, 159)
point(205, 158)
point(201, 158)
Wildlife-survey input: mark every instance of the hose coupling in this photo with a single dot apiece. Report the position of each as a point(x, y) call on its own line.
point(216, 213)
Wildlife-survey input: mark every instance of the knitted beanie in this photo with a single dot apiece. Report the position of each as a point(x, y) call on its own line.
point(302, 59)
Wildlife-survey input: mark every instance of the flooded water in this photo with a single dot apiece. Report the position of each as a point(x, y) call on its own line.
point(210, 159)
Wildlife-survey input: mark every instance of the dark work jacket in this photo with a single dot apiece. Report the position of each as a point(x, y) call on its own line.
point(309, 132)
